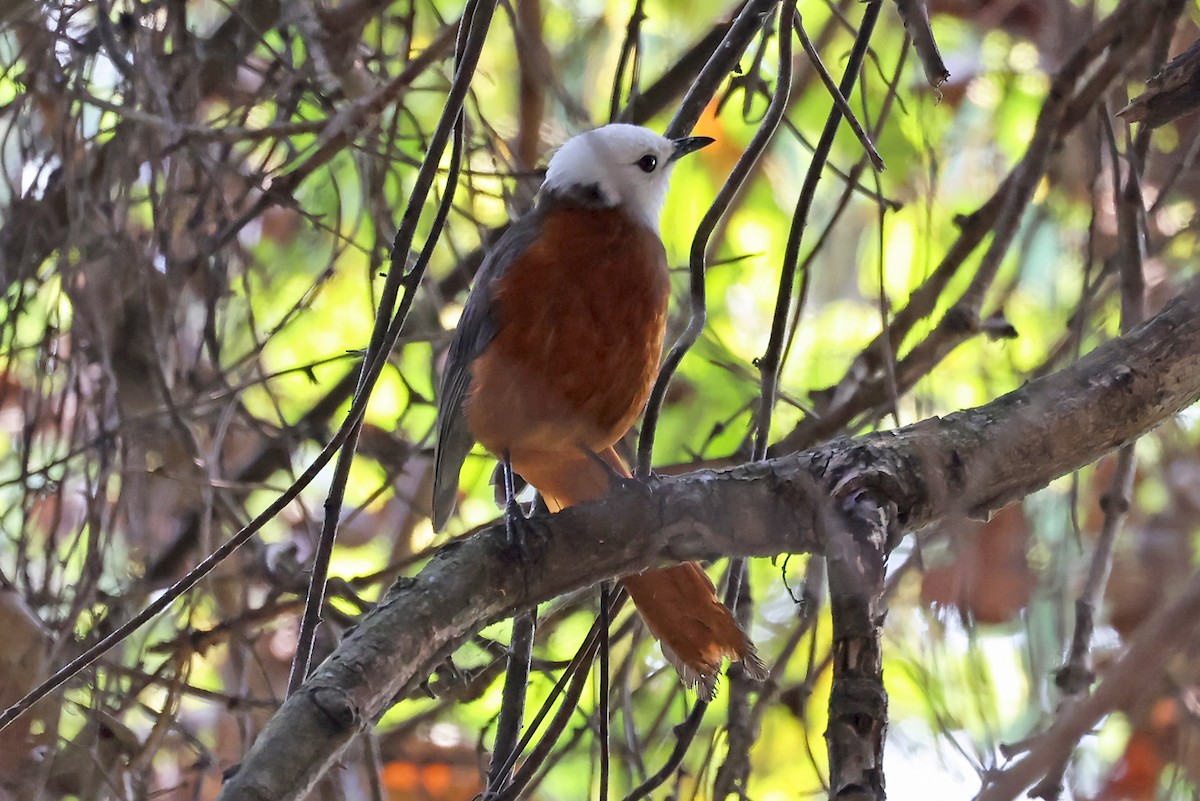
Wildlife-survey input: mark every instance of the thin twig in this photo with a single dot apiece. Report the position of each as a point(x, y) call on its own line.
point(631, 60)
point(863, 388)
point(338, 134)
point(512, 705)
point(680, 76)
point(604, 710)
point(579, 662)
point(1075, 677)
point(835, 93)
point(915, 16)
point(389, 321)
point(737, 716)
point(771, 360)
point(205, 566)
point(1156, 640)
point(699, 250)
point(722, 62)
point(684, 734)
point(578, 673)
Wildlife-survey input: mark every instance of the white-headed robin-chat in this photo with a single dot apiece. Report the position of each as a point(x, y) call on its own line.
point(557, 350)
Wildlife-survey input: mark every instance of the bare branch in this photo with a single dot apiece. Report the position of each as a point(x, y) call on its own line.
point(1158, 638)
point(915, 16)
point(971, 461)
point(1170, 94)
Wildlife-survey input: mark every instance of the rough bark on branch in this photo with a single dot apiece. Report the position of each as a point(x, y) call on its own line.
point(968, 462)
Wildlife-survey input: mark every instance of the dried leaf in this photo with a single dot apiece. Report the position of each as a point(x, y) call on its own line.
point(990, 579)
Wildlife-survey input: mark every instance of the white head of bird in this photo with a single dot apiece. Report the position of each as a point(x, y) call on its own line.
point(620, 165)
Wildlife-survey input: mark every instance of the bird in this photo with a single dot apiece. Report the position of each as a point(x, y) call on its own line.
point(556, 352)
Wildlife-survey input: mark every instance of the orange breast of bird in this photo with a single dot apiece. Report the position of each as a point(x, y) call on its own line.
point(580, 318)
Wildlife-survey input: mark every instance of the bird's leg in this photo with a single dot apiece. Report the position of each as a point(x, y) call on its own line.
point(618, 477)
point(516, 526)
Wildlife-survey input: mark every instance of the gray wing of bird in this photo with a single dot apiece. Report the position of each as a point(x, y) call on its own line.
point(476, 328)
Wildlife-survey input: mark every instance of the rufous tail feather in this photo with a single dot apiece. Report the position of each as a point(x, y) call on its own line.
point(679, 604)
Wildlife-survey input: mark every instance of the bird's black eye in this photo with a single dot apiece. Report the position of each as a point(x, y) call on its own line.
point(648, 162)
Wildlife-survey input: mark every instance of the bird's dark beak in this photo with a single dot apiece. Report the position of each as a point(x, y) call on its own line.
point(689, 144)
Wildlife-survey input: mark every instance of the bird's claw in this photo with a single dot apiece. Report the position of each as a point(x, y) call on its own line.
point(639, 484)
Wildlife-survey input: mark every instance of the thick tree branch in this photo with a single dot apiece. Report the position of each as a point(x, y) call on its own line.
point(856, 555)
point(971, 461)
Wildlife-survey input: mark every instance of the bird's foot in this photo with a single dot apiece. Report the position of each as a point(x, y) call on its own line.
point(521, 535)
point(638, 484)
